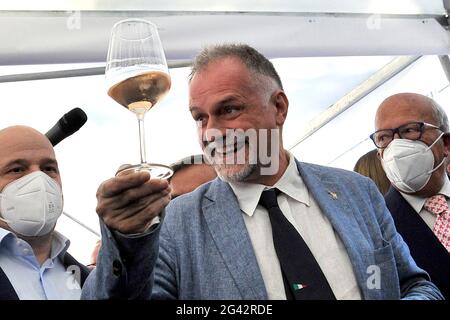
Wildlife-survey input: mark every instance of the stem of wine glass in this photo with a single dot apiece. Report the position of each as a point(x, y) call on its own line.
point(140, 117)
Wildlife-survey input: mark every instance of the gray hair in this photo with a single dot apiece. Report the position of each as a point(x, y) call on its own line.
point(440, 116)
point(249, 56)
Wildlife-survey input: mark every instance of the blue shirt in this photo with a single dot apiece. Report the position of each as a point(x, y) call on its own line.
point(32, 281)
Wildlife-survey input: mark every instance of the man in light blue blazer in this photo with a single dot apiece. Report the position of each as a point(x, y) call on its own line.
point(217, 242)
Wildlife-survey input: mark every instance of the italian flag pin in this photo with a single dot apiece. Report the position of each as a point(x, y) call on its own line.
point(299, 286)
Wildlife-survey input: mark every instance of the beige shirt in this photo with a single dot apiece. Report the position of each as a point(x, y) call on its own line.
point(417, 204)
point(304, 214)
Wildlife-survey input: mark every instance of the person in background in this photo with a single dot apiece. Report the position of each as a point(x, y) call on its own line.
point(34, 263)
point(270, 227)
point(190, 173)
point(369, 165)
point(94, 255)
point(413, 144)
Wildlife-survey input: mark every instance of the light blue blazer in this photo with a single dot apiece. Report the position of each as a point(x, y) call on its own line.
point(202, 249)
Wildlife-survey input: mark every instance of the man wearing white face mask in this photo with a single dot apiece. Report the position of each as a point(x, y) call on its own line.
point(34, 263)
point(413, 144)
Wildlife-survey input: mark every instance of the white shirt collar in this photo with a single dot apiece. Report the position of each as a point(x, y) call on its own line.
point(417, 202)
point(290, 183)
point(60, 243)
point(4, 234)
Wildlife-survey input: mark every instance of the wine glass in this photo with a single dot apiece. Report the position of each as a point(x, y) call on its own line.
point(138, 77)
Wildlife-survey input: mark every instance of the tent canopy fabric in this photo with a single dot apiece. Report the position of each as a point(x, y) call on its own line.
point(342, 6)
point(78, 31)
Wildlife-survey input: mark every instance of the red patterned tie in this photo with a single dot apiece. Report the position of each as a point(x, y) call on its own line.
point(438, 206)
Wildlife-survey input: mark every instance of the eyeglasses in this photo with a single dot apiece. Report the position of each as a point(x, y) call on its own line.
point(410, 131)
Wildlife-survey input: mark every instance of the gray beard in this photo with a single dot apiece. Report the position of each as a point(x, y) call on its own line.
point(237, 176)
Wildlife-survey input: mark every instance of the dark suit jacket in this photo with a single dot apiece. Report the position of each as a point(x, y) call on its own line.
point(7, 291)
point(425, 248)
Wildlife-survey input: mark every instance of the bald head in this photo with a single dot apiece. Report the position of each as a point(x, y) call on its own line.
point(22, 135)
point(412, 107)
point(24, 150)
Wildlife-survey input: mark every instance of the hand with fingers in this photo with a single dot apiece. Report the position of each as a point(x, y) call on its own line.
point(131, 200)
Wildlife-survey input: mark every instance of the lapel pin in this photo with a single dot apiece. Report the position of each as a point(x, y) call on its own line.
point(333, 195)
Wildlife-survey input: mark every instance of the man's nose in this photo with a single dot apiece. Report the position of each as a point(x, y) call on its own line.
point(212, 124)
point(34, 168)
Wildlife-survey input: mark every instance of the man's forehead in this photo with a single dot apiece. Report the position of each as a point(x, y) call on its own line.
point(221, 70)
point(213, 87)
point(28, 146)
point(402, 110)
point(408, 103)
point(18, 144)
point(29, 155)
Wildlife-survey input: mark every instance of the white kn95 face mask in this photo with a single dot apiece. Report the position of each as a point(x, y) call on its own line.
point(409, 164)
point(32, 204)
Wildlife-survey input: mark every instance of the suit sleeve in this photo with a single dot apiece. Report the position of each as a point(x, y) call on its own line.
point(124, 266)
point(166, 271)
point(414, 282)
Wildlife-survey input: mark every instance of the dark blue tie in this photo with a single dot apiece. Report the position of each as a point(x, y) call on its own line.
point(302, 276)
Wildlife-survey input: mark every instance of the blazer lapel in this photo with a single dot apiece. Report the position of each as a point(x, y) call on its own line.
point(336, 206)
point(7, 291)
point(227, 227)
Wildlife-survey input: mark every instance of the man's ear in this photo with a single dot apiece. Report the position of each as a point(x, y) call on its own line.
point(446, 139)
point(281, 102)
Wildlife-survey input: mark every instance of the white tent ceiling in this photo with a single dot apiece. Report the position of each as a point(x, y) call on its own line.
point(43, 32)
point(341, 6)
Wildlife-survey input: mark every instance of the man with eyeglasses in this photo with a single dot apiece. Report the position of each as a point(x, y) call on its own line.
point(413, 144)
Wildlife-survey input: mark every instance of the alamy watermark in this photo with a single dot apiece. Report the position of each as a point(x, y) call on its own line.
point(374, 279)
point(74, 279)
point(374, 22)
point(241, 147)
point(73, 22)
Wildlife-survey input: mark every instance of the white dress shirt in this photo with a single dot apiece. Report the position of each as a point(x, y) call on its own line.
point(302, 211)
point(417, 204)
point(32, 281)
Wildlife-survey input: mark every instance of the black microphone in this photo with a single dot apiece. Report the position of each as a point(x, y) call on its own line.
point(67, 125)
